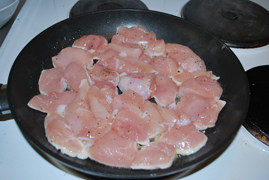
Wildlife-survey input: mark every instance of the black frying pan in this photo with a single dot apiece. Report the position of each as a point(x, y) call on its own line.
point(36, 56)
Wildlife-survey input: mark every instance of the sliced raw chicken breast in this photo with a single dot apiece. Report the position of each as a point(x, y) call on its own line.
point(72, 54)
point(90, 42)
point(133, 36)
point(114, 150)
point(126, 51)
point(154, 119)
point(155, 48)
point(201, 85)
point(129, 100)
point(126, 65)
point(105, 52)
point(53, 102)
point(185, 75)
point(108, 88)
point(130, 125)
point(179, 52)
point(155, 155)
point(60, 135)
point(99, 74)
point(198, 108)
point(165, 91)
point(124, 61)
point(52, 80)
point(193, 64)
point(141, 66)
point(74, 73)
point(169, 117)
point(98, 103)
point(83, 89)
point(164, 66)
point(208, 118)
point(83, 122)
point(138, 82)
point(186, 139)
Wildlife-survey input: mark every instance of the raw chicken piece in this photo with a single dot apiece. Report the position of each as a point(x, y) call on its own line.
point(197, 108)
point(133, 36)
point(141, 67)
point(83, 89)
point(130, 125)
point(99, 105)
point(83, 122)
point(179, 52)
point(201, 85)
point(164, 66)
point(126, 51)
point(155, 155)
point(145, 58)
point(165, 91)
point(72, 54)
point(193, 64)
point(78, 114)
point(154, 119)
point(53, 102)
point(185, 75)
point(186, 139)
point(125, 61)
point(99, 74)
point(74, 73)
point(120, 65)
point(185, 57)
point(155, 48)
point(60, 135)
point(105, 52)
point(108, 87)
point(96, 99)
point(114, 150)
point(169, 117)
point(109, 93)
point(120, 50)
point(209, 117)
point(129, 100)
point(90, 42)
point(137, 82)
point(52, 80)
point(127, 65)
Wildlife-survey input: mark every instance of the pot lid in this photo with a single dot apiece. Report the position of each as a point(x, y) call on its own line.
point(239, 23)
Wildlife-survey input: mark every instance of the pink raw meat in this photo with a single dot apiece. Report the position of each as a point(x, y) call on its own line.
point(52, 80)
point(186, 139)
point(90, 42)
point(72, 54)
point(114, 150)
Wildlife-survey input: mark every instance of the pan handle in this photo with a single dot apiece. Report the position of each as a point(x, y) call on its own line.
point(5, 113)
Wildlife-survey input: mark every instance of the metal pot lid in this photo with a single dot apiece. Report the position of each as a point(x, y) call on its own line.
point(239, 23)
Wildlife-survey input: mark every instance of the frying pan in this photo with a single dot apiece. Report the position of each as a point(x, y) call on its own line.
point(36, 56)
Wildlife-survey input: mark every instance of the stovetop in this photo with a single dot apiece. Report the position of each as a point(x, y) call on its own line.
point(244, 158)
